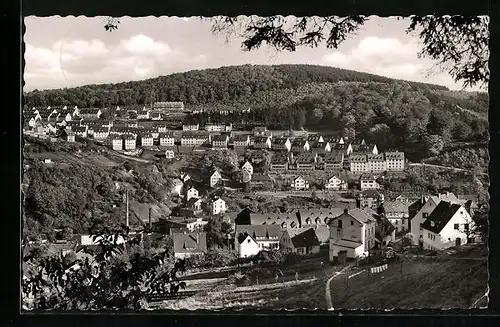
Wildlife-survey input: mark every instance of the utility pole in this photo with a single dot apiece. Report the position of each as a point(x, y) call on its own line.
point(127, 213)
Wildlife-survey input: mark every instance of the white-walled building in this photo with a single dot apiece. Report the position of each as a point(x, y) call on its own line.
point(218, 206)
point(448, 225)
point(423, 213)
point(192, 193)
point(300, 184)
point(368, 182)
point(250, 240)
point(353, 233)
point(167, 139)
point(336, 184)
point(169, 154)
point(247, 166)
point(215, 178)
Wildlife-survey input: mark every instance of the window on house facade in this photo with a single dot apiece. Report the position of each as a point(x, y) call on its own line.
point(455, 226)
point(466, 226)
point(352, 223)
point(340, 223)
point(425, 215)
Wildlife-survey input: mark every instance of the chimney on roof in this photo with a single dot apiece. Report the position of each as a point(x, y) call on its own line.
point(346, 210)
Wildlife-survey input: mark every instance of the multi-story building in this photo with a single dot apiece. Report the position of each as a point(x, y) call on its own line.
point(368, 182)
point(333, 161)
point(300, 145)
point(147, 140)
point(262, 142)
point(220, 141)
point(281, 144)
point(336, 184)
point(279, 162)
point(352, 234)
point(167, 139)
point(376, 162)
point(195, 127)
point(395, 161)
point(300, 184)
point(241, 140)
point(250, 239)
point(130, 142)
point(359, 163)
point(306, 161)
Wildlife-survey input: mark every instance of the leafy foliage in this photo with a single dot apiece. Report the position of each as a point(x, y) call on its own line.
point(101, 279)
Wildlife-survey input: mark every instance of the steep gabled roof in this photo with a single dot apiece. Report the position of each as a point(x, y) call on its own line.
point(440, 216)
point(190, 242)
point(305, 238)
point(260, 232)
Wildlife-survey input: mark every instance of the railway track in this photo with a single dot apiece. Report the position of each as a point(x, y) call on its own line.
point(157, 299)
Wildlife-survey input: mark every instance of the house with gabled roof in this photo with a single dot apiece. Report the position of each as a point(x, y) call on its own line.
point(215, 178)
point(189, 244)
point(220, 141)
point(429, 204)
point(192, 193)
point(299, 183)
point(303, 241)
point(218, 206)
point(315, 138)
point(80, 131)
point(321, 147)
point(397, 213)
point(262, 142)
point(279, 162)
point(155, 115)
point(260, 131)
point(352, 234)
point(247, 166)
point(143, 114)
point(333, 161)
point(241, 140)
point(370, 199)
point(359, 163)
point(335, 183)
point(306, 161)
point(250, 240)
point(300, 145)
point(101, 133)
point(281, 144)
point(195, 138)
point(449, 224)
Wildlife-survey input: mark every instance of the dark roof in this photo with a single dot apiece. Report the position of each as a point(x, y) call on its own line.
point(305, 158)
point(219, 138)
point(299, 142)
point(260, 139)
point(440, 216)
point(375, 157)
point(240, 137)
point(166, 135)
point(279, 159)
point(335, 157)
point(358, 158)
point(190, 242)
point(88, 111)
point(280, 140)
point(370, 194)
point(305, 239)
point(314, 137)
point(366, 177)
point(258, 232)
point(319, 145)
point(361, 215)
point(394, 155)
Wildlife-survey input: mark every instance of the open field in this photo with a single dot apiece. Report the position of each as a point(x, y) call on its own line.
point(417, 283)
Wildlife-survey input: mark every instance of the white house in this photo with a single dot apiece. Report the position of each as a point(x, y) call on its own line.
point(167, 139)
point(397, 213)
point(281, 144)
point(117, 143)
point(368, 182)
point(191, 127)
point(215, 178)
point(169, 154)
point(147, 140)
point(262, 142)
point(130, 142)
point(299, 183)
point(335, 183)
point(247, 166)
point(218, 206)
point(251, 239)
point(143, 114)
point(424, 212)
point(177, 186)
point(448, 225)
point(352, 233)
point(192, 193)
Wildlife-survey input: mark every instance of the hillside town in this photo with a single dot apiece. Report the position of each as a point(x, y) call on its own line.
point(364, 224)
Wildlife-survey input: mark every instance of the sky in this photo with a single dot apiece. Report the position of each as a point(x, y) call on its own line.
point(72, 51)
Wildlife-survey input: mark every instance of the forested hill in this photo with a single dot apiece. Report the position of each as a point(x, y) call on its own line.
point(222, 86)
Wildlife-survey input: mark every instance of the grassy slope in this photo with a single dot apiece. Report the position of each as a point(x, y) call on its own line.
point(422, 284)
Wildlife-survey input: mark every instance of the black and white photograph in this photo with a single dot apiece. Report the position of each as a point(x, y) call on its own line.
point(322, 163)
